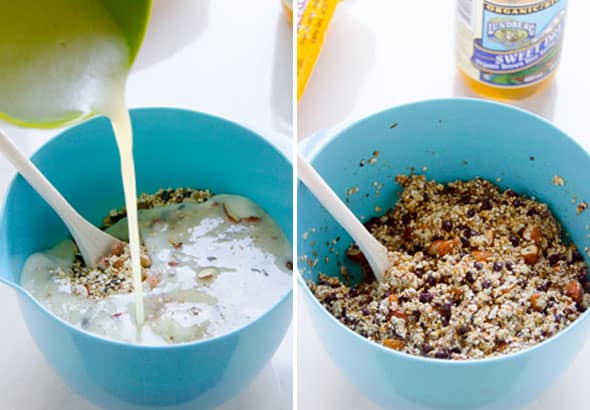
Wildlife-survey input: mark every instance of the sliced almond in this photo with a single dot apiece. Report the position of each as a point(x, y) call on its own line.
point(238, 208)
point(117, 248)
point(394, 344)
point(530, 254)
point(153, 281)
point(480, 256)
point(443, 247)
point(207, 273)
point(230, 215)
point(400, 315)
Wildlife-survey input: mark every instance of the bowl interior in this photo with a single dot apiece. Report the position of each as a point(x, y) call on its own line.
point(446, 140)
point(172, 148)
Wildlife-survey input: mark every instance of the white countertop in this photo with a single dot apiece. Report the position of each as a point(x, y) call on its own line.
point(383, 53)
point(223, 57)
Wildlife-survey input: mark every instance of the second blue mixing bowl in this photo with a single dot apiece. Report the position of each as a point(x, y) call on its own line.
point(173, 148)
point(446, 140)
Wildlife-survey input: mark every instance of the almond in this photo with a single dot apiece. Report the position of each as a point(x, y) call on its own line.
point(117, 248)
point(231, 216)
point(480, 256)
point(392, 299)
point(400, 315)
point(536, 235)
point(207, 273)
point(530, 254)
point(538, 302)
point(575, 291)
point(442, 247)
point(394, 344)
point(153, 281)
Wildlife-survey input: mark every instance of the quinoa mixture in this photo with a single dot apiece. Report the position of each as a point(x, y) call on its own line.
point(113, 273)
point(476, 272)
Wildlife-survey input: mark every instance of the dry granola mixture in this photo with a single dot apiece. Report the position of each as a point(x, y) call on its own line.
point(113, 273)
point(477, 272)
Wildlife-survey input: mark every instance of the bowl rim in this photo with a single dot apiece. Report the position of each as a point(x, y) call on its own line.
point(317, 143)
point(284, 298)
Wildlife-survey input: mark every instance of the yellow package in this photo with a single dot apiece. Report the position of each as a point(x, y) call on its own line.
point(313, 20)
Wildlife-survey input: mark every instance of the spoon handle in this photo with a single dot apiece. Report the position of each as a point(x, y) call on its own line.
point(373, 250)
point(92, 242)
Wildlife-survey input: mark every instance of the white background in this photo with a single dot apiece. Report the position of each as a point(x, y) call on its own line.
point(381, 53)
point(224, 57)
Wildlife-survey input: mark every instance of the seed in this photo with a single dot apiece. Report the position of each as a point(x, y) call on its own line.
point(486, 283)
point(426, 348)
point(447, 225)
point(497, 266)
point(469, 277)
point(532, 211)
point(514, 240)
point(516, 203)
point(470, 213)
point(352, 292)
point(509, 265)
point(425, 297)
point(145, 261)
point(486, 205)
point(478, 265)
point(510, 193)
point(419, 272)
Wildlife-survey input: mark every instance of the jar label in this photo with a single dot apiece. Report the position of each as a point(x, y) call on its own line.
point(507, 44)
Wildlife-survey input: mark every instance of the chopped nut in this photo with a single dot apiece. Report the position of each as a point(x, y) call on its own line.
point(480, 256)
point(394, 344)
point(530, 254)
point(207, 273)
point(442, 247)
point(399, 314)
point(153, 281)
point(232, 217)
point(575, 291)
point(538, 302)
point(118, 248)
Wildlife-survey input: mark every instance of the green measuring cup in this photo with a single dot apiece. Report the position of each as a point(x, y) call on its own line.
point(59, 58)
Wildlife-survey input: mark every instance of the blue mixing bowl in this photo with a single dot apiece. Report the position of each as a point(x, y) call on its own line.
point(173, 148)
point(446, 140)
